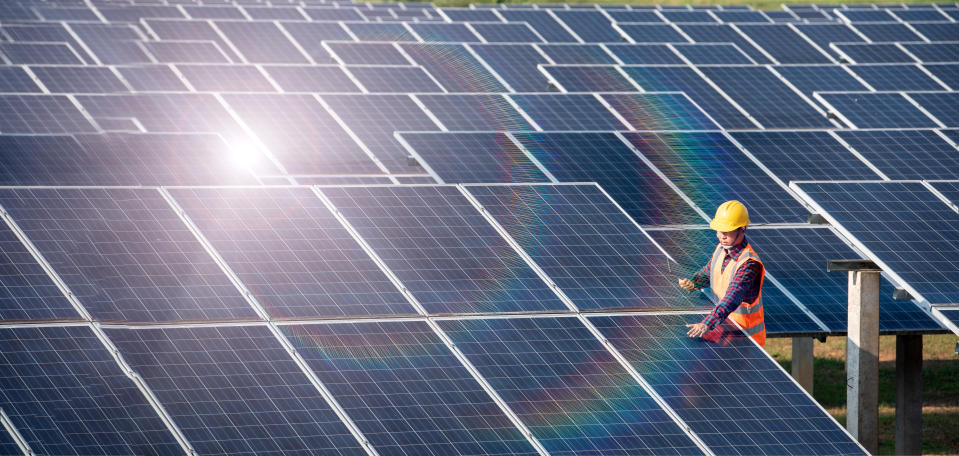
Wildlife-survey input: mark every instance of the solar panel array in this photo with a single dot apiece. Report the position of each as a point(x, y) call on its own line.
point(252, 227)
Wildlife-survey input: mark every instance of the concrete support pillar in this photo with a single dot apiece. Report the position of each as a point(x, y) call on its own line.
point(862, 359)
point(909, 394)
point(802, 362)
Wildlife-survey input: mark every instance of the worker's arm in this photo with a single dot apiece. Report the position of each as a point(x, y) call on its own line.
point(700, 280)
point(742, 287)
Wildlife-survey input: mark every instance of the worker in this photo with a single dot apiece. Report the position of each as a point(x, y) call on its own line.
point(735, 274)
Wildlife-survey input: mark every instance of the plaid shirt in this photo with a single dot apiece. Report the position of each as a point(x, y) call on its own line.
point(743, 286)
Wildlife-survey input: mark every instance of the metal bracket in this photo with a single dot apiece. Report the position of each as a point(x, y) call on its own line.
point(851, 265)
point(901, 294)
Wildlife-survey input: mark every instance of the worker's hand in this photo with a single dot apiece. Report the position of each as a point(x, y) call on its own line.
point(687, 285)
point(696, 330)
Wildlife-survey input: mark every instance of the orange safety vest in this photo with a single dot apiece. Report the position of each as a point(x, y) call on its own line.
point(749, 315)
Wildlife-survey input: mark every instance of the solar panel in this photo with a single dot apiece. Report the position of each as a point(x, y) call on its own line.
point(442, 250)
point(139, 264)
point(877, 110)
point(40, 54)
point(942, 106)
point(66, 14)
point(723, 33)
point(712, 53)
point(189, 31)
point(803, 155)
point(741, 16)
point(226, 78)
point(309, 36)
point(916, 15)
point(39, 114)
point(659, 111)
point(688, 16)
point(261, 42)
point(333, 14)
point(174, 113)
point(273, 13)
point(939, 31)
point(542, 22)
point(766, 97)
point(214, 12)
point(863, 15)
point(374, 118)
point(111, 44)
point(444, 33)
point(684, 79)
point(469, 15)
point(576, 54)
point(45, 32)
point(382, 79)
point(506, 33)
point(873, 53)
point(28, 293)
point(645, 54)
point(65, 394)
point(887, 32)
point(947, 73)
point(379, 32)
point(16, 80)
point(313, 79)
point(692, 248)
point(516, 64)
point(454, 67)
point(368, 54)
point(405, 390)
point(607, 160)
point(685, 372)
point(589, 78)
point(591, 26)
point(819, 78)
point(635, 16)
point(949, 189)
point(186, 51)
point(590, 248)
point(653, 33)
point(234, 390)
point(152, 78)
point(783, 43)
point(78, 79)
point(568, 112)
point(475, 112)
point(934, 52)
point(565, 386)
point(710, 169)
point(903, 225)
point(906, 154)
point(129, 13)
point(896, 77)
point(824, 34)
point(473, 157)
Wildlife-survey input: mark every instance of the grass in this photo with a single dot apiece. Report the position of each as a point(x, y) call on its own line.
point(758, 4)
point(940, 387)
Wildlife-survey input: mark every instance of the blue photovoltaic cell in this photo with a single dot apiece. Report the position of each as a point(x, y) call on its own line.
point(374, 118)
point(66, 395)
point(543, 23)
point(186, 52)
point(773, 103)
point(820, 78)
point(516, 64)
point(291, 253)
point(934, 52)
point(878, 110)
point(234, 391)
point(444, 33)
point(948, 73)
point(333, 14)
point(152, 78)
point(311, 35)
point(44, 33)
point(635, 16)
point(795, 257)
point(693, 248)
point(506, 33)
point(470, 15)
point(561, 112)
point(295, 127)
point(948, 189)
point(773, 414)
point(315, 79)
point(191, 31)
point(214, 12)
point(591, 26)
point(454, 67)
point(261, 42)
point(917, 15)
point(688, 16)
point(722, 33)
point(474, 157)
point(645, 54)
point(394, 79)
point(194, 112)
point(710, 169)
point(803, 155)
point(824, 34)
point(741, 16)
point(380, 32)
point(906, 154)
point(566, 387)
point(125, 254)
point(111, 43)
point(587, 246)
point(940, 31)
point(41, 114)
point(405, 389)
point(653, 33)
point(896, 77)
point(368, 54)
point(684, 79)
point(593, 78)
point(605, 159)
point(943, 106)
point(16, 80)
point(868, 15)
point(783, 43)
point(874, 53)
point(887, 32)
point(273, 12)
point(26, 291)
point(442, 250)
point(659, 111)
point(713, 53)
point(226, 78)
point(39, 53)
point(577, 54)
point(475, 113)
point(904, 225)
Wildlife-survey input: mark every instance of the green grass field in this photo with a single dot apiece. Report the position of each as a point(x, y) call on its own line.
point(940, 387)
point(758, 4)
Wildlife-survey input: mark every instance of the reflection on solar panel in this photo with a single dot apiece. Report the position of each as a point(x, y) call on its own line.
point(944, 107)
point(379, 32)
point(474, 113)
point(66, 395)
point(405, 390)
point(234, 390)
point(685, 371)
point(566, 387)
point(896, 77)
point(226, 78)
point(473, 157)
point(586, 245)
point(368, 53)
point(565, 112)
point(820, 78)
point(309, 36)
point(878, 110)
point(903, 225)
point(186, 51)
point(516, 64)
point(140, 264)
point(906, 154)
point(683, 79)
point(605, 159)
point(28, 293)
point(659, 111)
point(577, 54)
point(454, 67)
point(693, 248)
point(374, 118)
point(315, 79)
point(152, 78)
point(189, 31)
point(803, 155)
point(394, 79)
point(169, 112)
point(39, 114)
point(443, 250)
point(261, 42)
point(291, 253)
point(589, 78)
point(766, 97)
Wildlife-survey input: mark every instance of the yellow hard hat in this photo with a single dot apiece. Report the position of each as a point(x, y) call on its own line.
point(729, 216)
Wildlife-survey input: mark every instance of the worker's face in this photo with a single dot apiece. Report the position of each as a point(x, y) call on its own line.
point(731, 238)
